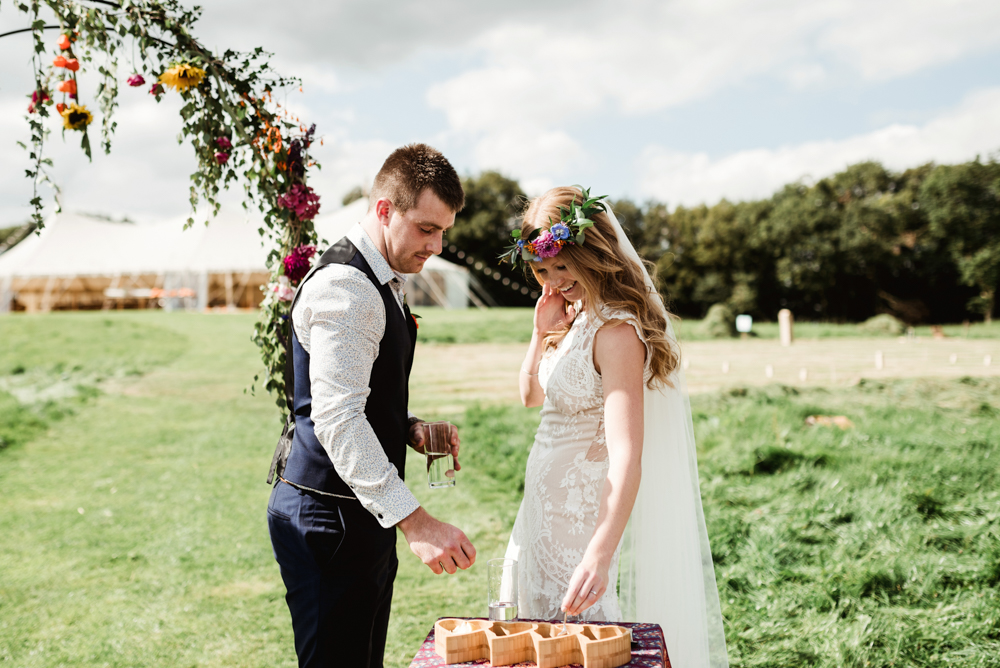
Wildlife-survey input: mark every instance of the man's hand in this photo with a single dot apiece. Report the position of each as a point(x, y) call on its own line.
point(441, 546)
point(417, 436)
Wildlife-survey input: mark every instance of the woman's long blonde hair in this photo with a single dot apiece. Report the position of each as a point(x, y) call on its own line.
point(608, 277)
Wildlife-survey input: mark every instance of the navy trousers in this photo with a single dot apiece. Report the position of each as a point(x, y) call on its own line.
point(338, 565)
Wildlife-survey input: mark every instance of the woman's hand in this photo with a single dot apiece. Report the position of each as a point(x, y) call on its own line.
point(551, 312)
point(588, 584)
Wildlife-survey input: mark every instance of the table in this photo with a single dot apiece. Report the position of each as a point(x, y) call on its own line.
point(651, 653)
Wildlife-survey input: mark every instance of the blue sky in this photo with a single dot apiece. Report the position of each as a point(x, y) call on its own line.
point(682, 101)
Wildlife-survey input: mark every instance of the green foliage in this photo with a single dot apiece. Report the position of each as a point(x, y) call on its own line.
point(882, 324)
point(482, 230)
point(860, 242)
point(963, 209)
point(719, 322)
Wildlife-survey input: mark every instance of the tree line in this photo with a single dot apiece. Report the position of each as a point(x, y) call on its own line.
point(922, 244)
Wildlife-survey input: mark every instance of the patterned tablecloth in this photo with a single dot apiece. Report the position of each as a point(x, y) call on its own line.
point(650, 653)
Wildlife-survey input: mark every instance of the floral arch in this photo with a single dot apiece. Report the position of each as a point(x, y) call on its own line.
point(239, 133)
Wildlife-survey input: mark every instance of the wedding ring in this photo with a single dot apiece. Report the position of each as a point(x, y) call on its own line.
point(593, 593)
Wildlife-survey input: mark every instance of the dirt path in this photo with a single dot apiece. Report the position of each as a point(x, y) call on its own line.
point(446, 377)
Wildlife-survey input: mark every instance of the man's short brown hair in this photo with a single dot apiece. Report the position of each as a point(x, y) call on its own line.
point(409, 170)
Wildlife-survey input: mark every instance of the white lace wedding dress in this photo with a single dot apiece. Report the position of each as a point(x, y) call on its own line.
point(565, 475)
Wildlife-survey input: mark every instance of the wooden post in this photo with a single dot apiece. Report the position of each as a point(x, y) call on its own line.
point(785, 326)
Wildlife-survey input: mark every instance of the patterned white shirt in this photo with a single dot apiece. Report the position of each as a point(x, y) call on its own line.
point(339, 320)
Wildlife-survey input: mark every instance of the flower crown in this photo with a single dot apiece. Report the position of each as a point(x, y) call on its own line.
point(571, 229)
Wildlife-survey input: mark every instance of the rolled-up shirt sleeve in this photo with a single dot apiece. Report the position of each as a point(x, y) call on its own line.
point(339, 320)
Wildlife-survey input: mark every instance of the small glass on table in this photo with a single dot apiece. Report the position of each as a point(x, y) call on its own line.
point(501, 598)
point(437, 448)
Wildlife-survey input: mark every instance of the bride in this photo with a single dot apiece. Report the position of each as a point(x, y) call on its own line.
point(611, 525)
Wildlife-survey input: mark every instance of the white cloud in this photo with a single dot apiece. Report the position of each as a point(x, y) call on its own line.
point(641, 57)
point(883, 40)
point(693, 178)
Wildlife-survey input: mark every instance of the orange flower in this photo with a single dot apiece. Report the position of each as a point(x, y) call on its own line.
point(64, 42)
point(72, 64)
point(68, 86)
point(60, 107)
point(60, 61)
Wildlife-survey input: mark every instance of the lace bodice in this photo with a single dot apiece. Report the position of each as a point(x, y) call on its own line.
point(565, 477)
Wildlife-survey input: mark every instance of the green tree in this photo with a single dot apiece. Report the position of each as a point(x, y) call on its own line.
point(482, 230)
point(962, 203)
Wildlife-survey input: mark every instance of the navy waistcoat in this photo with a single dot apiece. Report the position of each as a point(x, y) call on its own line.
point(386, 409)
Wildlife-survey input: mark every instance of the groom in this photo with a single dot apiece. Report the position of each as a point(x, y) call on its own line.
point(334, 511)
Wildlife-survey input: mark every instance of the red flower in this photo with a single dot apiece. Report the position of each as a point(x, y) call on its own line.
point(297, 263)
point(64, 42)
point(68, 86)
point(136, 80)
point(72, 64)
point(60, 61)
point(224, 143)
point(156, 89)
point(60, 107)
point(416, 324)
point(222, 158)
point(302, 200)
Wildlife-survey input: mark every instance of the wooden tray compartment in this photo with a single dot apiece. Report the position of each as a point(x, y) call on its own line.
point(506, 643)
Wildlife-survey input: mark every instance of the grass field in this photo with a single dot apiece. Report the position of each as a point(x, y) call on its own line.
point(132, 464)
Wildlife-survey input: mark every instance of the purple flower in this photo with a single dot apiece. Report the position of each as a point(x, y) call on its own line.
point(297, 263)
point(560, 231)
point(545, 245)
point(135, 80)
point(224, 143)
point(302, 200)
point(222, 158)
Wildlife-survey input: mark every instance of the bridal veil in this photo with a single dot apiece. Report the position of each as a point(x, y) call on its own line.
point(666, 572)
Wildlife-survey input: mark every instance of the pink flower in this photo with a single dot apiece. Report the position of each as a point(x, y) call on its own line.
point(135, 80)
point(224, 143)
point(297, 263)
point(156, 89)
point(222, 158)
point(302, 200)
point(282, 290)
point(545, 245)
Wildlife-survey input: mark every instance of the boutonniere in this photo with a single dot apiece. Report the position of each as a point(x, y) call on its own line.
point(415, 316)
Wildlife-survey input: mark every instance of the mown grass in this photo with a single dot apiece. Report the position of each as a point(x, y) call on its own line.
point(134, 529)
point(52, 365)
point(513, 325)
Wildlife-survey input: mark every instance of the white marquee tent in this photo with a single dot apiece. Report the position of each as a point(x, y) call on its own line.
point(80, 262)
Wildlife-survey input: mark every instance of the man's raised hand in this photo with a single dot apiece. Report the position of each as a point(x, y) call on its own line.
point(443, 547)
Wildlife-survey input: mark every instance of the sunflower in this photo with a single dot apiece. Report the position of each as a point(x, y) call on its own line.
point(76, 117)
point(182, 77)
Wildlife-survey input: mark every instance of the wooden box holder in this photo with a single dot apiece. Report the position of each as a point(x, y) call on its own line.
point(461, 647)
point(506, 643)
